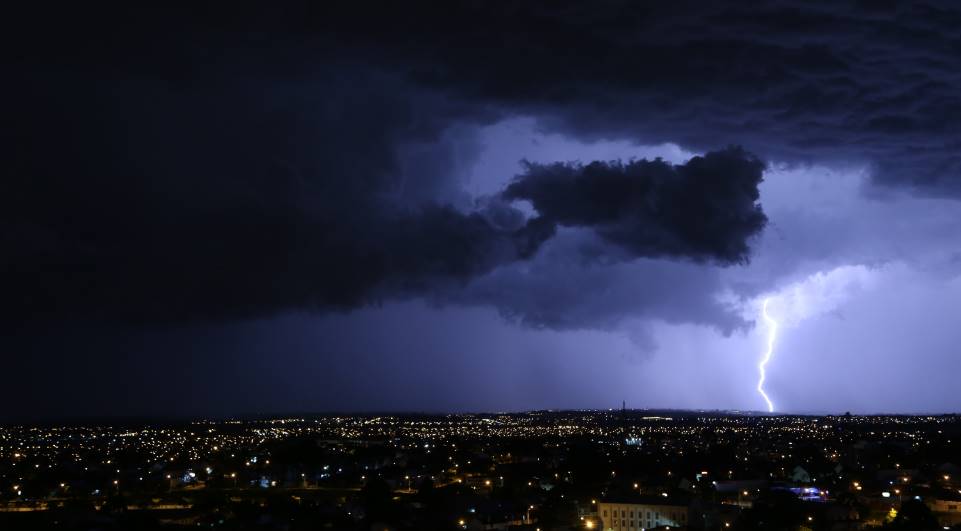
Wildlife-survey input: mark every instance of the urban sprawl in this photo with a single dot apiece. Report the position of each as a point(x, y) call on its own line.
point(621, 470)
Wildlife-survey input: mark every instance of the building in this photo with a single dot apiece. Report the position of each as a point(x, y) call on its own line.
point(637, 513)
point(946, 508)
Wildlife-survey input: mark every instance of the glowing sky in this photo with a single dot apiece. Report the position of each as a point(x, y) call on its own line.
point(865, 303)
point(444, 210)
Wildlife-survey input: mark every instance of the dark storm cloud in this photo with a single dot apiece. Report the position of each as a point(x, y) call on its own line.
point(164, 166)
point(632, 238)
point(863, 82)
point(150, 201)
point(704, 209)
point(197, 174)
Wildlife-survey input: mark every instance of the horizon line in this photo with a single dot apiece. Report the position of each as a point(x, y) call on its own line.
point(250, 417)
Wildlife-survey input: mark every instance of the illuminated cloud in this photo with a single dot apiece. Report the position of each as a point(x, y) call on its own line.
point(823, 292)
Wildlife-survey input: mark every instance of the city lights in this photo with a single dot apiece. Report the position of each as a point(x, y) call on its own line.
point(485, 455)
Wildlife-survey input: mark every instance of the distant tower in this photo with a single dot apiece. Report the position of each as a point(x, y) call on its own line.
point(624, 420)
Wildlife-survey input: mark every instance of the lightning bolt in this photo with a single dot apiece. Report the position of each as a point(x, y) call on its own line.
point(771, 338)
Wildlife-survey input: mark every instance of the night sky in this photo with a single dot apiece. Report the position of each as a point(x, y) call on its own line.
point(210, 209)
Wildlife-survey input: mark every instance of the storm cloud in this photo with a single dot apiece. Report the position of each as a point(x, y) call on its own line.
point(148, 200)
point(705, 209)
point(223, 165)
point(843, 82)
point(871, 83)
point(326, 176)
